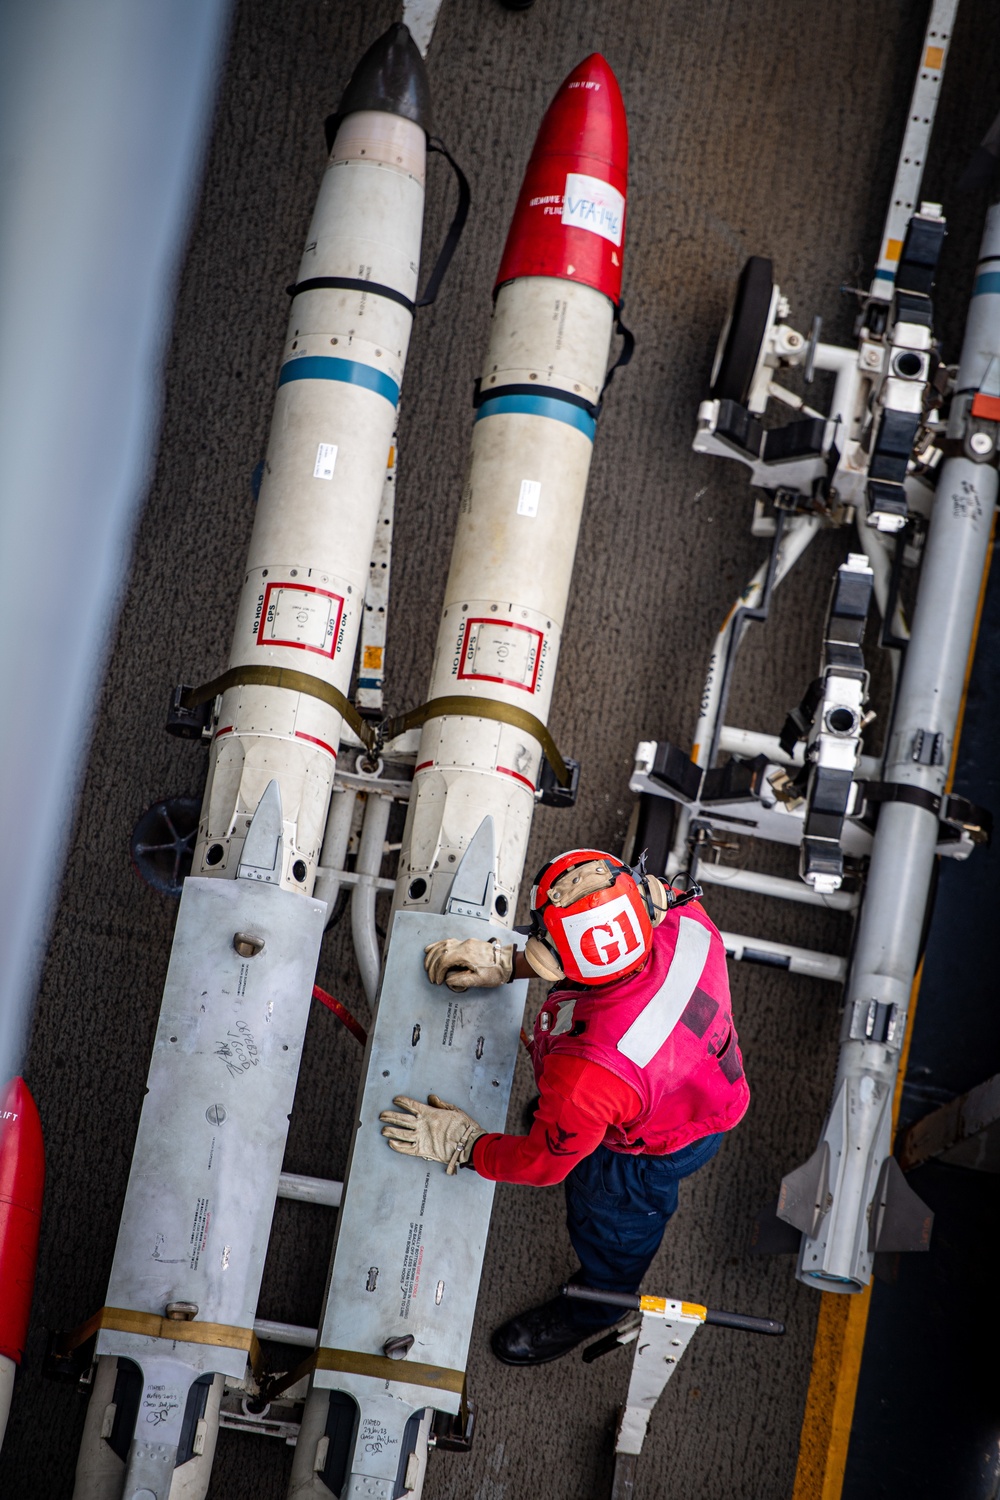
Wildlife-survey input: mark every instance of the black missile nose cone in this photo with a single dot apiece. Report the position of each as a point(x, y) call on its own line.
point(391, 76)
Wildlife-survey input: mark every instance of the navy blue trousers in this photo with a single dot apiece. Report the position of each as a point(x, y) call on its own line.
point(617, 1207)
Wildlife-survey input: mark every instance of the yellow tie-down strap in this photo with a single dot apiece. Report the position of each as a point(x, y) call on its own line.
point(378, 1366)
point(482, 708)
point(152, 1325)
point(370, 737)
point(294, 682)
point(405, 1371)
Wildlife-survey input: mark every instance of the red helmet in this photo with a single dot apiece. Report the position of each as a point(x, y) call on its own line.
point(602, 934)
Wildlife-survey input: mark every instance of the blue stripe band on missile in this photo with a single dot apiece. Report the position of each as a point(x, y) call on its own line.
point(987, 282)
point(540, 406)
point(348, 371)
point(885, 276)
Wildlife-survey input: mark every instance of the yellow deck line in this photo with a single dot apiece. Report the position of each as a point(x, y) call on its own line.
point(843, 1317)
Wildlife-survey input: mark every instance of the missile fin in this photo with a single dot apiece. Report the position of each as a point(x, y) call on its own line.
point(262, 848)
point(900, 1220)
point(986, 401)
point(472, 888)
point(804, 1197)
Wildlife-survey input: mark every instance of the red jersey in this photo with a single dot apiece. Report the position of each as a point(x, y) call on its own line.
point(657, 1061)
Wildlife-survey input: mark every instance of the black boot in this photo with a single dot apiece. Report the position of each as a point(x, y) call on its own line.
point(546, 1332)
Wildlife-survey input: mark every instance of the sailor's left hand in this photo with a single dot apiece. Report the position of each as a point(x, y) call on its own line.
point(436, 1131)
point(469, 963)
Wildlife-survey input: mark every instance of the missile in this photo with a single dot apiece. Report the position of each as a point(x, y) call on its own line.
point(536, 407)
point(184, 1285)
point(22, 1180)
point(283, 698)
point(394, 1334)
point(850, 1199)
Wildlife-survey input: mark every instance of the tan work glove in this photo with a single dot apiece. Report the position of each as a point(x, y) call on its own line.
point(437, 1131)
point(469, 963)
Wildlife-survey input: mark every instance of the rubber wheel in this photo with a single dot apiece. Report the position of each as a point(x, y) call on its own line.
point(651, 828)
point(743, 332)
point(162, 843)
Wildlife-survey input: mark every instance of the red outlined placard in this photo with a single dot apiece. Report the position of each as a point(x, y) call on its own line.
point(301, 616)
point(501, 651)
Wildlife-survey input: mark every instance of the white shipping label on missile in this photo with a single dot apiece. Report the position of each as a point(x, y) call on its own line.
point(500, 651)
point(326, 461)
point(527, 500)
point(299, 615)
point(591, 204)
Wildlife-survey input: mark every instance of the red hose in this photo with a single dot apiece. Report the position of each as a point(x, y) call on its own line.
point(342, 1013)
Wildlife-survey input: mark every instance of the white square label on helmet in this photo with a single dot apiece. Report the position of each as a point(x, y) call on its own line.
point(606, 940)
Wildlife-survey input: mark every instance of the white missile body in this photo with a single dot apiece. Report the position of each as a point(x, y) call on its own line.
point(183, 1292)
point(507, 589)
point(303, 592)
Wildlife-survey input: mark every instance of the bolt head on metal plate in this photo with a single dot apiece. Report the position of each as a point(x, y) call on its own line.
point(181, 1312)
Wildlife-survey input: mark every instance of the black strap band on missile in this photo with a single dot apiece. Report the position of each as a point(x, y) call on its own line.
point(627, 351)
point(186, 722)
point(351, 284)
point(553, 392)
point(557, 393)
point(434, 280)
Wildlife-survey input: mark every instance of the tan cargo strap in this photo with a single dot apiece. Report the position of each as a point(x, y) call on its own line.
point(347, 1362)
point(373, 737)
point(152, 1325)
point(378, 1366)
point(482, 708)
point(295, 682)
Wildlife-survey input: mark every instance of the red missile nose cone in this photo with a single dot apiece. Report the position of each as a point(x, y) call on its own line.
point(587, 119)
point(570, 216)
point(22, 1179)
point(20, 1134)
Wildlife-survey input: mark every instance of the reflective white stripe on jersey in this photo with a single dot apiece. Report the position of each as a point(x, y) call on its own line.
point(659, 1016)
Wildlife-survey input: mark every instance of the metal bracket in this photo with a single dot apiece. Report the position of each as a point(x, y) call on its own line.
point(473, 886)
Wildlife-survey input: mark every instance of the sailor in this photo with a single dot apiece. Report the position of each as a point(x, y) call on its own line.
point(638, 1069)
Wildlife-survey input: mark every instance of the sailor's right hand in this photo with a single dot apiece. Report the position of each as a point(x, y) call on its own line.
point(469, 963)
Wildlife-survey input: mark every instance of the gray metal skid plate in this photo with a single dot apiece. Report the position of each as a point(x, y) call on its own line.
point(221, 1083)
point(411, 1239)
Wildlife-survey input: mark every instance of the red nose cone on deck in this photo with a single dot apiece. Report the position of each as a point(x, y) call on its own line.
point(22, 1178)
point(570, 216)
